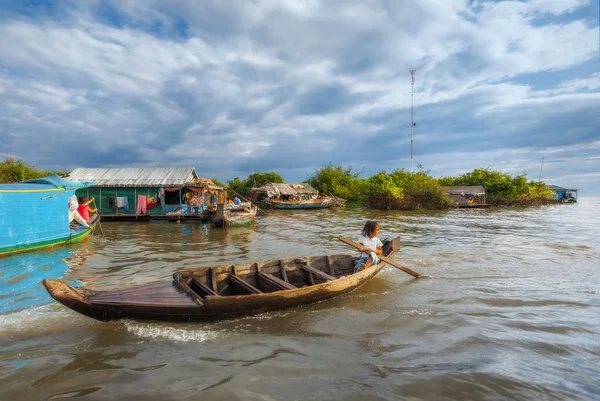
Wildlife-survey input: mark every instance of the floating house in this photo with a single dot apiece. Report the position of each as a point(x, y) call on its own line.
point(144, 193)
point(467, 196)
point(564, 195)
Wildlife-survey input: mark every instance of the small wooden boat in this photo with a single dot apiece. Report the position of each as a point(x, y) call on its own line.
point(318, 203)
point(213, 293)
point(35, 215)
point(235, 216)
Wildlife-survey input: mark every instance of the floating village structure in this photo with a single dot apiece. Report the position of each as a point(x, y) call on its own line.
point(467, 196)
point(289, 196)
point(564, 195)
point(170, 193)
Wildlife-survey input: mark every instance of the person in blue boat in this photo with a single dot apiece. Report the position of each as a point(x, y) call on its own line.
point(237, 200)
point(74, 214)
point(84, 209)
point(371, 246)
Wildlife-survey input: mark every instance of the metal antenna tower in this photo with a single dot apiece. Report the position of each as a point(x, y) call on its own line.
point(412, 120)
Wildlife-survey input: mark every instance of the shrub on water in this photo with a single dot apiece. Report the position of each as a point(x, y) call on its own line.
point(336, 181)
point(401, 190)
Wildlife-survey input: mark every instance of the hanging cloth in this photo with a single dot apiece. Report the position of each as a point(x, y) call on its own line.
point(126, 204)
point(111, 202)
point(142, 204)
point(152, 202)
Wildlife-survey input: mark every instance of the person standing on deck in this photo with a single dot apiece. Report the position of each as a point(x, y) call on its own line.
point(371, 246)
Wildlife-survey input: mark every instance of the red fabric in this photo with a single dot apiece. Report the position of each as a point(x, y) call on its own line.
point(84, 211)
point(152, 204)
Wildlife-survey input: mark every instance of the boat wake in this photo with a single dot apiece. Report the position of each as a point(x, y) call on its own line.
point(157, 331)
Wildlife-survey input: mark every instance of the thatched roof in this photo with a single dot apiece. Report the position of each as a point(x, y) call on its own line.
point(276, 189)
point(304, 188)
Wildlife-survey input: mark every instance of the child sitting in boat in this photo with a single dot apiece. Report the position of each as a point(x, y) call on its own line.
point(84, 210)
point(74, 214)
point(371, 246)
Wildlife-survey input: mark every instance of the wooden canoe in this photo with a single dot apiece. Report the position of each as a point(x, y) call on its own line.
point(243, 214)
point(222, 292)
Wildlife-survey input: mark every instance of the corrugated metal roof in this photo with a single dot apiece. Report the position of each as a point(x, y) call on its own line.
point(557, 188)
point(472, 190)
point(134, 177)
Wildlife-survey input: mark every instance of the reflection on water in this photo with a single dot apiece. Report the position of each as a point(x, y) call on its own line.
point(511, 312)
point(21, 275)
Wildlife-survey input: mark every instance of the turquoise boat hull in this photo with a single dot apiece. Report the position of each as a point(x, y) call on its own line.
point(34, 215)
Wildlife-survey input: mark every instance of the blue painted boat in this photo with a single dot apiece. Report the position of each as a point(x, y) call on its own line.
point(35, 215)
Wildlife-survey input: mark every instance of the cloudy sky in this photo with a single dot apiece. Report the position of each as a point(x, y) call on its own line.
point(235, 86)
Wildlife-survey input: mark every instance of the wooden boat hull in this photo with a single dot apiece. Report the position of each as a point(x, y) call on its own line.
point(318, 204)
point(184, 299)
point(235, 217)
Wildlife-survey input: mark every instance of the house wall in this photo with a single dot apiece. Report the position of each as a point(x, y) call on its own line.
point(101, 193)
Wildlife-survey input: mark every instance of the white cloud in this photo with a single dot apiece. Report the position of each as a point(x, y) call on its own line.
point(181, 81)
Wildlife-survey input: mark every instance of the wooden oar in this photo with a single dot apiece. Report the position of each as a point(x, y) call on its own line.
point(98, 217)
point(383, 258)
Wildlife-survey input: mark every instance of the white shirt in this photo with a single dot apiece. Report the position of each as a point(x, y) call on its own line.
point(371, 243)
point(73, 203)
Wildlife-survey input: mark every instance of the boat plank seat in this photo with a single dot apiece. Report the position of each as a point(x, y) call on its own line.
point(274, 281)
point(320, 274)
point(247, 287)
point(201, 288)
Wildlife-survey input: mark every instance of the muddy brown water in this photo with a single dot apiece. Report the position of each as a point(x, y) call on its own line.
point(511, 312)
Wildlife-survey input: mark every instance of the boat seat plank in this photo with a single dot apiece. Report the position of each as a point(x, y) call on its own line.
point(246, 286)
point(276, 281)
point(283, 272)
point(205, 290)
point(320, 274)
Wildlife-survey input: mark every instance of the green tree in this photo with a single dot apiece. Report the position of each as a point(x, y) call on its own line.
point(336, 181)
point(243, 187)
point(13, 170)
point(403, 190)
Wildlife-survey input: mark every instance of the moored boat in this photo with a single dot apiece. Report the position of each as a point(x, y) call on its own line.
point(291, 196)
point(222, 292)
point(235, 215)
point(318, 203)
point(34, 215)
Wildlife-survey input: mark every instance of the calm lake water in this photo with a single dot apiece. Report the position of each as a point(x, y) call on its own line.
point(511, 312)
